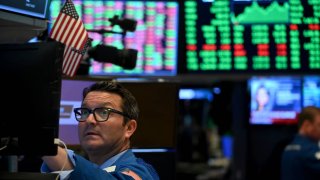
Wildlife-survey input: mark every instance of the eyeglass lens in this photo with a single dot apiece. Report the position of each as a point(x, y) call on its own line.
point(101, 114)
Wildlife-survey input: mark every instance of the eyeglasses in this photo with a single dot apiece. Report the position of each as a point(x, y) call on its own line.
point(100, 114)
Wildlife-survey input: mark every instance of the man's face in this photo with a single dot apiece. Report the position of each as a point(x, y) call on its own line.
point(315, 130)
point(107, 135)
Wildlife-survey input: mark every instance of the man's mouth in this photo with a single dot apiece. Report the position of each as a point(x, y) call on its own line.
point(92, 134)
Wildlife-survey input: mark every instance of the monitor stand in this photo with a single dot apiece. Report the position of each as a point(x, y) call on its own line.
point(13, 173)
point(12, 163)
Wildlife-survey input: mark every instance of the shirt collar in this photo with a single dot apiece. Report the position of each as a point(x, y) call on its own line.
point(112, 160)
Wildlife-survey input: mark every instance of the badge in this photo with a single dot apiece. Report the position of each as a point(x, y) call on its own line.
point(110, 169)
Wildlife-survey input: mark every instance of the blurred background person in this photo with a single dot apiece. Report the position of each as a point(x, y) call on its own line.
point(301, 158)
point(262, 98)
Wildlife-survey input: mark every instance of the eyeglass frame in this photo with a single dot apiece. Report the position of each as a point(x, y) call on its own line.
point(92, 111)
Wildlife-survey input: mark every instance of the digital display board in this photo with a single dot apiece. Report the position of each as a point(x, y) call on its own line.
point(245, 36)
point(155, 37)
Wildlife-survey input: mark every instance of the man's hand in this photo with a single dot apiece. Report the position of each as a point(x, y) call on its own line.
point(58, 162)
point(132, 174)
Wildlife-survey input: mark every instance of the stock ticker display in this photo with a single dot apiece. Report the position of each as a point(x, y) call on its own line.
point(243, 36)
point(155, 36)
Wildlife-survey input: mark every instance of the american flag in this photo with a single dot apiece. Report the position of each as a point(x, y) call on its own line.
point(72, 58)
point(69, 30)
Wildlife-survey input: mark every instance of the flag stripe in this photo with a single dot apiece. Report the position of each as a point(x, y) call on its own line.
point(84, 38)
point(62, 28)
point(76, 66)
point(81, 37)
point(74, 32)
point(66, 56)
point(74, 63)
point(75, 60)
point(69, 60)
point(75, 38)
point(67, 30)
point(56, 26)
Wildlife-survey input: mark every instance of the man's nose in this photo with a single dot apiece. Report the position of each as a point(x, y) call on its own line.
point(91, 118)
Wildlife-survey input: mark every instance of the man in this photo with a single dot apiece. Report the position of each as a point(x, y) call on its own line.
point(107, 120)
point(301, 158)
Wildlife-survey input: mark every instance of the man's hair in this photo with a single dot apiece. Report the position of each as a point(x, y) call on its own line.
point(129, 104)
point(308, 114)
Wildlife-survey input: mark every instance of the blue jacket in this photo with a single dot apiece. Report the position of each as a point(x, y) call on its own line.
point(301, 160)
point(86, 170)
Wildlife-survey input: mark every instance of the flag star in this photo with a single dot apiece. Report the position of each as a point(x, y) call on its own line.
point(70, 10)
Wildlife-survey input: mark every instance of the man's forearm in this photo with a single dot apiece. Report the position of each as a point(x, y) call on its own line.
point(55, 163)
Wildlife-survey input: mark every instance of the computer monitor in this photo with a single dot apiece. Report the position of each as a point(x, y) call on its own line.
point(311, 91)
point(22, 20)
point(31, 85)
point(196, 93)
point(31, 8)
point(275, 100)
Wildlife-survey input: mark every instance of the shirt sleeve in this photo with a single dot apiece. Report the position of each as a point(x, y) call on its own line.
point(87, 170)
point(63, 174)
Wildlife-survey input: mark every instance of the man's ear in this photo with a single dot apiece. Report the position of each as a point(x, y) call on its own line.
point(131, 127)
point(307, 125)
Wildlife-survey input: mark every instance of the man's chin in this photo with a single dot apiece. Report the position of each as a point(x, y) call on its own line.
point(91, 143)
point(91, 146)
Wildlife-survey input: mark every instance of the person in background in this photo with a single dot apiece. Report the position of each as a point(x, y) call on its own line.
point(262, 98)
point(301, 158)
point(107, 119)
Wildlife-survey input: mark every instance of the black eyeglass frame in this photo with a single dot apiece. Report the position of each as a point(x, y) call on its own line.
point(92, 111)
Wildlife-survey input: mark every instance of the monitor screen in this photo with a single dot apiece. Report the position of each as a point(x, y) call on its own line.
point(31, 77)
point(311, 91)
point(250, 37)
point(32, 8)
point(196, 93)
point(274, 100)
point(155, 37)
